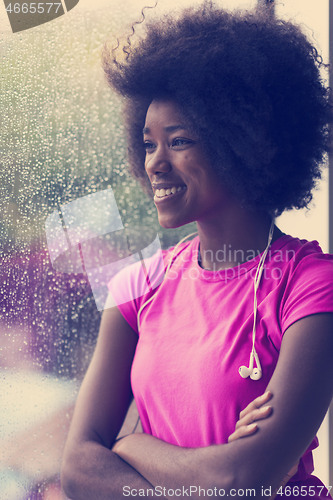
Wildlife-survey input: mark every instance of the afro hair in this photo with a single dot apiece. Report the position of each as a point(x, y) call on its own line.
point(250, 85)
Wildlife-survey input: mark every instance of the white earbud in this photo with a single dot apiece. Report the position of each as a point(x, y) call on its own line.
point(245, 371)
point(250, 371)
point(256, 372)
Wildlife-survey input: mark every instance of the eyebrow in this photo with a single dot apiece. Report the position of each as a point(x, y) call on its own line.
point(170, 128)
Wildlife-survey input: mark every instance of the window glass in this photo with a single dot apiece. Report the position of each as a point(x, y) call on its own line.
point(61, 141)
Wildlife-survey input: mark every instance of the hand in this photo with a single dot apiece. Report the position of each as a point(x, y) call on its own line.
point(115, 446)
point(118, 445)
point(246, 425)
point(122, 445)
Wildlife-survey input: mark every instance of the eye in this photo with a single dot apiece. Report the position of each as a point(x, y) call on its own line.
point(181, 142)
point(148, 146)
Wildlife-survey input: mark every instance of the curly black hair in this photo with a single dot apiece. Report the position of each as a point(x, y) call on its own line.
point(249, 83)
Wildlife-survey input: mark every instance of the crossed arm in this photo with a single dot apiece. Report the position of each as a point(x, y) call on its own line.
point(301, 386)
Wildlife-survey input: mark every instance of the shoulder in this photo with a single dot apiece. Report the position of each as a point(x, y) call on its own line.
point(302, 257)
point(306, 258)
point(306, 281)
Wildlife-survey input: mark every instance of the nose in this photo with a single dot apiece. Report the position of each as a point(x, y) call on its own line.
point(157, 162)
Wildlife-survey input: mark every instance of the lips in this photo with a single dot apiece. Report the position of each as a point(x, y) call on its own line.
point(167, 191)
point(162, 192)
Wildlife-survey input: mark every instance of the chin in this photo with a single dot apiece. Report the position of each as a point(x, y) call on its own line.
point(169, 223)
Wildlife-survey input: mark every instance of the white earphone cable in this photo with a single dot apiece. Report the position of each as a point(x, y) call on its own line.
point(257, 280)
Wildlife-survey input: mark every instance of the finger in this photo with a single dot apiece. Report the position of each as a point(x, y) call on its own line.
point(244, 431)
point(254, 416)
point(256, 403)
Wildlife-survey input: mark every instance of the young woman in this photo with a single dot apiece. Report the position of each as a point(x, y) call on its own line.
point(227, 121)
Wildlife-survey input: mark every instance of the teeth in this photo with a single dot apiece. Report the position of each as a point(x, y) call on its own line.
point(161, 193)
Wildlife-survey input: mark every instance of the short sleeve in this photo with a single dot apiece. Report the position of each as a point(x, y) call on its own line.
point(309, 289)
point(134, 284)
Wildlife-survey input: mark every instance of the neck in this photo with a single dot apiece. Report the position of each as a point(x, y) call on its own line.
point(228, 243)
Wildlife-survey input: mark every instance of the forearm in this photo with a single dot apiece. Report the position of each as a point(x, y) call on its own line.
point(95, 472)
point(215, 468)
point(172, 466)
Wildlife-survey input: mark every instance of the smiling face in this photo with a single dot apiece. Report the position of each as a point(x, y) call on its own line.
point(186, 188)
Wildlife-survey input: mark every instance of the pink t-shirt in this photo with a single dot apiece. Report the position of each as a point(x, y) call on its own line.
point(197, 332)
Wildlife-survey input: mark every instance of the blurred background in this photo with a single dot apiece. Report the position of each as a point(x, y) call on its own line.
point(62, 139)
